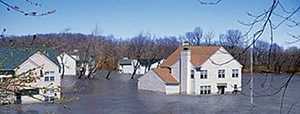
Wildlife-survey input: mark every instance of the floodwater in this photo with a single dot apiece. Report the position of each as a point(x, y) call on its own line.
point(119, 95)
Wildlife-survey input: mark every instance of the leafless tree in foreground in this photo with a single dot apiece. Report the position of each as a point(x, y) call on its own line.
point(15, 84)
point(269, 19)
point(11, 6)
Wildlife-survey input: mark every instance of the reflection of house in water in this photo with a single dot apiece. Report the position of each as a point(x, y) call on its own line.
point(195, 70)
point(40, 65)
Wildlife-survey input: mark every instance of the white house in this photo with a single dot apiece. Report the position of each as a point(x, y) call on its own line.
point(39, 66)
point(195, 70)
point(126, 66)
point(68, 63)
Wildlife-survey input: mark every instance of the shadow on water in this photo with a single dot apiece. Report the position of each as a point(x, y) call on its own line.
point(120, 95)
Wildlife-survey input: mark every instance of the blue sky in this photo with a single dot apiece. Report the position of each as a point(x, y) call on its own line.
point(127, 18)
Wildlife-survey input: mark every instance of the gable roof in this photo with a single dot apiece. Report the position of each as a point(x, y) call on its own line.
point(10, 58)
point(165, 75)
point(199, 54)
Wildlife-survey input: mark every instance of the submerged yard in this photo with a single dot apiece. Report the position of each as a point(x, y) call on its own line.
point(120, 95)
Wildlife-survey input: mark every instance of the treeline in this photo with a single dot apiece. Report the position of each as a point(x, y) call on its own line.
point(105, 51)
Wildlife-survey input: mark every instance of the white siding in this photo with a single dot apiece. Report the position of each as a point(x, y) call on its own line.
point(69, 64)
point(212, 70)
point(150, 81)
point(129, 69)
point(41, 62)
point(172, 89)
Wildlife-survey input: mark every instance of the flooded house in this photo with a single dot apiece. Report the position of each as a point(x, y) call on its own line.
point(33, 75)
point(195, 70)
point(127, 65)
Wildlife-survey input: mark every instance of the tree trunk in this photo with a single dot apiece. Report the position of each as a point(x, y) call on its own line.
point(63, 71)
point(108, 75)
point(63, 67)
point(91, 71)
point(82, 72)
point(134, 72)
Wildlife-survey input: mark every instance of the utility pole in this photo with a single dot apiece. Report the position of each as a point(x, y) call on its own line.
point(251, 72)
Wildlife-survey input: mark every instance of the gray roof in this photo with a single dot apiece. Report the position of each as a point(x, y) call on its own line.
point(10, 58)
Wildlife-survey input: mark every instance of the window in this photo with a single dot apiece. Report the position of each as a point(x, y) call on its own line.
point(235, 73)
point(47, 72)
point(221, 73)
point(203, 74)
point(205, 89)
point(49, 76)
point(46, 78)
point(192, 74)
point(49, 99)
point(41, 73)
point(52, 78)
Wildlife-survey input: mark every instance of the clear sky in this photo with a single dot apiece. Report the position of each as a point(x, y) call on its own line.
point(126, 18)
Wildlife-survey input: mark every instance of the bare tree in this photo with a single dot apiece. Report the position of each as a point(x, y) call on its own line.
point(136, 50)
point(269, 19)
point(195, 37)
point(208, 38)
point(11, 6)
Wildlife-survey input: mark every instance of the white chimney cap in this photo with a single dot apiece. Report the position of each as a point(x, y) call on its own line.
point(186, 43)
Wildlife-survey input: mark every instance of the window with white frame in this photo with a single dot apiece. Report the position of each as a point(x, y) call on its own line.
point(192, 74)
point(235, 73)
point(221, 73)
point(203, 74)
point(205, 89)
point(49, 76)
point(49, 99)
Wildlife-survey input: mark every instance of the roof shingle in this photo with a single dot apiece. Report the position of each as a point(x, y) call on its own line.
point(166, 76)
point(199, 54)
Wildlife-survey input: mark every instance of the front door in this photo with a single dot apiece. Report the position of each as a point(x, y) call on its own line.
point(221, 89)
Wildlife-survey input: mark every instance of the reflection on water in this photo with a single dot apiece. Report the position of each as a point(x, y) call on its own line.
point(120, 95)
